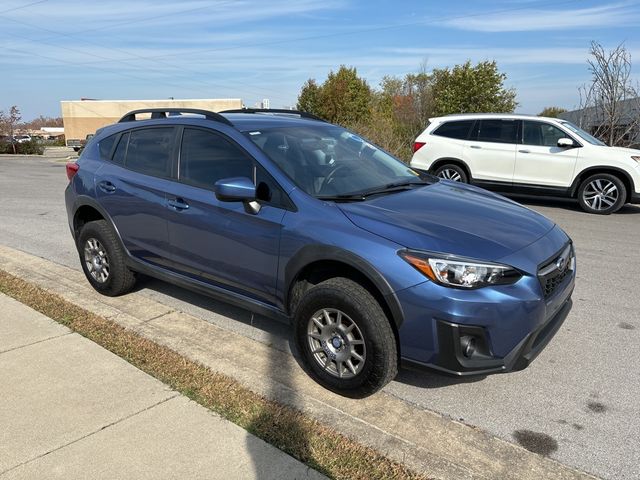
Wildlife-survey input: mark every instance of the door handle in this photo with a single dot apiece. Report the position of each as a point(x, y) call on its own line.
point(476, 146)
point(106, 186)
point(524, 151)
point(178, 204)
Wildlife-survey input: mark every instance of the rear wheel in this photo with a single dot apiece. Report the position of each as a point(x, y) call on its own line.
point(452, 172)
point(345, 338)
point(103, 260)
point(602, 194)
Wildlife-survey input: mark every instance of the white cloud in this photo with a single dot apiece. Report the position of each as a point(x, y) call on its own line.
point(532, 19)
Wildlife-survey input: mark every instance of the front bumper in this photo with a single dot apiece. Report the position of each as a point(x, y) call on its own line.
point(451, 358)
point(509, 324)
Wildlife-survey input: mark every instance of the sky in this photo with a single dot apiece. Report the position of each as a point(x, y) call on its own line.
point(53, 50)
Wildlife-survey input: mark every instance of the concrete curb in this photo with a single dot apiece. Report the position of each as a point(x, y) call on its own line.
point(423, 440)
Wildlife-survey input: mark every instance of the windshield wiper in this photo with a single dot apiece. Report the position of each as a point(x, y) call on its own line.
point(393, 187)
point(389, 188)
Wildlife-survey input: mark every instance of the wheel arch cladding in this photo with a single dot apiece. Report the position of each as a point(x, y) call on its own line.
point(316, 263)
point(455, 161)
point(624, 177)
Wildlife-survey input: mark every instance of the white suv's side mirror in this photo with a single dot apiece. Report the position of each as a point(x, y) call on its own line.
point(566, 143)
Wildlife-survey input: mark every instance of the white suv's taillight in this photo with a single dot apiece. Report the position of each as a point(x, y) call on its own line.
point(417, 146)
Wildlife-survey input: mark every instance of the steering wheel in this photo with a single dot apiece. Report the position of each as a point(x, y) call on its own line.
point(329, 178)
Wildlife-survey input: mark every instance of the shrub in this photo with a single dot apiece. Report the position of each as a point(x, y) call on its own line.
point(28, 148)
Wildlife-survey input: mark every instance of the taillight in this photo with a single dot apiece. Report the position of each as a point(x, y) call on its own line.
point(417, 146)
point(72, 169)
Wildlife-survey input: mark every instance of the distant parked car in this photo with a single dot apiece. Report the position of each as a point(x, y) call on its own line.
point(22, 138)
point(284, 214)
point(530, 155)
point(74, 143)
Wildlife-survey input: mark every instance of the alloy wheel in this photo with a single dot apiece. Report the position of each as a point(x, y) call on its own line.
point(336, 343)
point(450, 174)
point(600, 194)
point(96, 260)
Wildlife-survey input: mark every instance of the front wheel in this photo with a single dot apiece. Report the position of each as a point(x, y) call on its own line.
point(452, 172)
point(602, 194)
point(345, 338)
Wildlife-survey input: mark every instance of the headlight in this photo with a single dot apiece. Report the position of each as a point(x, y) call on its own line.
point(458, 272)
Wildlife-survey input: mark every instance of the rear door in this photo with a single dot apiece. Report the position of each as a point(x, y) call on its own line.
point(539, 160)
point(491, 151)
point(219, 242)
point(131, 187)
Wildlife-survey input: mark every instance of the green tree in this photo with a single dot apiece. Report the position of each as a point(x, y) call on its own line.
point(345, 98)
point(309, 98)
point(552, 112)
point(471, 89)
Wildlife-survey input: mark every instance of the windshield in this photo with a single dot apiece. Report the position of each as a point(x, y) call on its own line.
point(329, 161)
point(582, 134)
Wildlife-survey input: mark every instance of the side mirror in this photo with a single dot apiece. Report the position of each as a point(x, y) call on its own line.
point(566, 143)
point(237, 189)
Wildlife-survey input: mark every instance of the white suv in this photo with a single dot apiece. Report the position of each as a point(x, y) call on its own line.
point(530, 155)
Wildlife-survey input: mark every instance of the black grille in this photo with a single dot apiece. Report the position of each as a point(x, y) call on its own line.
point(553, 272)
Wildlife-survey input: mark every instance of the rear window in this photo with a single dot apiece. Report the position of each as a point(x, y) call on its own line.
point(458, 129)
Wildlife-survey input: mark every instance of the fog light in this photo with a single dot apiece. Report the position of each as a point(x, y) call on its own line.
point(468, 345)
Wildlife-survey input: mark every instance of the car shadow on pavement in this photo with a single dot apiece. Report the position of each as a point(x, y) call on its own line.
point(226, 315)
point(433, 379)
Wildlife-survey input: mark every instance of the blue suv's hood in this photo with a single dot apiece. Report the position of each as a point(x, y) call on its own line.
point(450, 218)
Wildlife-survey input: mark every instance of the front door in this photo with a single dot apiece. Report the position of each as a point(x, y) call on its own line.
point(219, 242)
point(539, 160)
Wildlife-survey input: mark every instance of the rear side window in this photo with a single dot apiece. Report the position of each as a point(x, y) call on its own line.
point(497, 131)
point(121, 150)
point(105, 146)
point(458, 129)
point(206, 157)
point(149, 151)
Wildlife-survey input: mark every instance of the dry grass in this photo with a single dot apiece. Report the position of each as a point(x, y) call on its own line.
point(318, 446)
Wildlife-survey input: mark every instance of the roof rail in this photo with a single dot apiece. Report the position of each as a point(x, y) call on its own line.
point(276, 111)
point(162, 113)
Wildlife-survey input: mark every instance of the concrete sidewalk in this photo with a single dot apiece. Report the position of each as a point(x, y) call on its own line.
point(70, 409)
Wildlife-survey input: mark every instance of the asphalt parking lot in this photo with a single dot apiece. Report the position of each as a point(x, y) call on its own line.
point(578, 402)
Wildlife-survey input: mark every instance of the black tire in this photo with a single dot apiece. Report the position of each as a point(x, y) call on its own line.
point(357, 306)
point(453, 172)
point(119, 279)
point(604, 203)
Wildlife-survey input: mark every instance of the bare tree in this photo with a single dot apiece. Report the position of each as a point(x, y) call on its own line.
point(8, 123)
point(610, 104)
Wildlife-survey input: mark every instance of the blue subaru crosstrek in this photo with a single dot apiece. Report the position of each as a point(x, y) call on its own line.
point(374, 263)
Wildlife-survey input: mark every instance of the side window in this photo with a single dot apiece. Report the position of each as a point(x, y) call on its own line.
point(149, 151)
point(497, 131)
point(121, 150)
point(105, 147)
point(458, 130)
point(542, 134)
point(207, 157)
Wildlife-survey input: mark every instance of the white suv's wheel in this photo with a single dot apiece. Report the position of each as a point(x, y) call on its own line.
point(452, 172)
point(602, 194)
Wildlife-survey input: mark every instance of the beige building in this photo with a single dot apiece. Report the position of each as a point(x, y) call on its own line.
point(82, 117)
